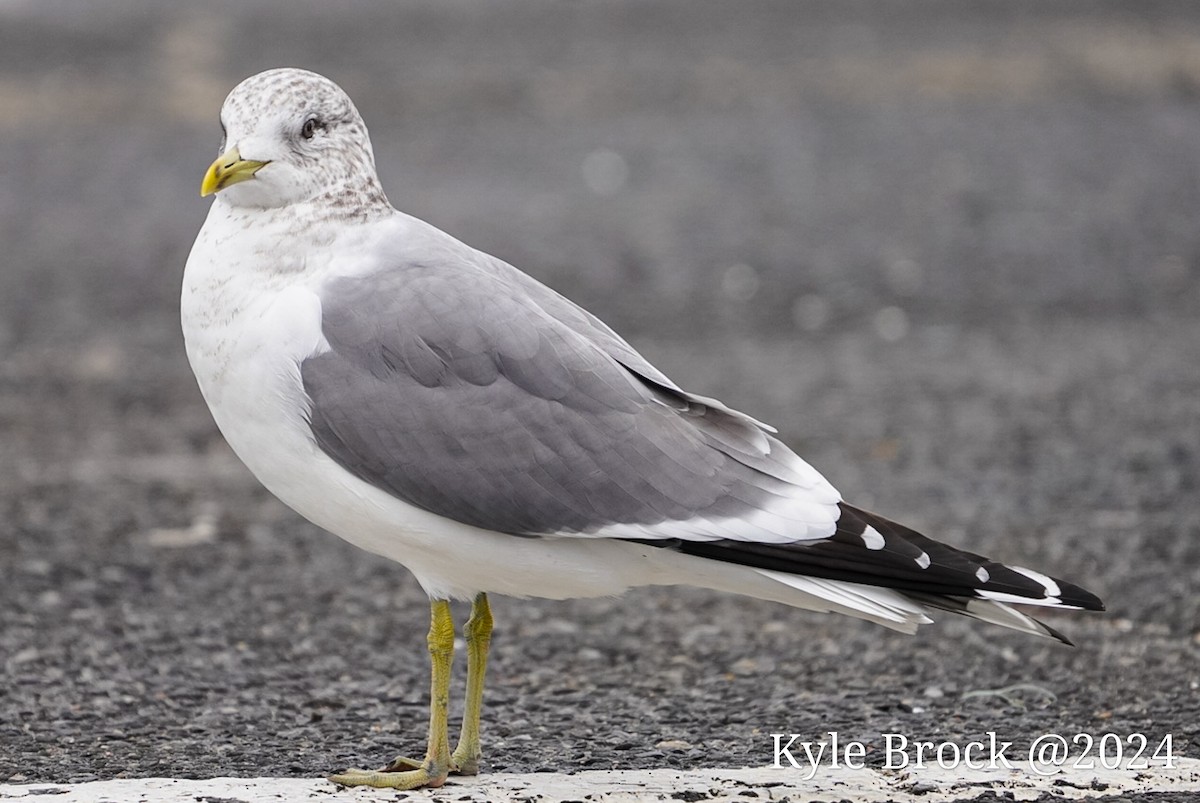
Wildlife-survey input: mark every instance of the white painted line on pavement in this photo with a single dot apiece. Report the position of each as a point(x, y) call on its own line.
point(928, 785)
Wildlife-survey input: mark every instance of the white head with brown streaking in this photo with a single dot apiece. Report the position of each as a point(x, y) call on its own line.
point(299, 136)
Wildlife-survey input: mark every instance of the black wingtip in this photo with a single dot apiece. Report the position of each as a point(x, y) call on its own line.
point(1078, 597)
point(1055, 634)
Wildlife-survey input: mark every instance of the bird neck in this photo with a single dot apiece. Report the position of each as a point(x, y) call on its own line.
point(358, 199)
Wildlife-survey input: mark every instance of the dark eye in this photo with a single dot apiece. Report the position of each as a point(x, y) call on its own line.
point(310, 127)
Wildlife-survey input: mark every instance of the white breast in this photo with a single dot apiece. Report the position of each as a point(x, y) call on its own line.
point(247, 326)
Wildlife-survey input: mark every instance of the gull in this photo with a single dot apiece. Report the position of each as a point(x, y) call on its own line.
point(434, 405)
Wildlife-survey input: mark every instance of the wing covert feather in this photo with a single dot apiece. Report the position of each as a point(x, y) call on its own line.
point(461, 392)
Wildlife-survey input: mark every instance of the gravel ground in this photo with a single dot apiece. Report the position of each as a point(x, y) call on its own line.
point(949, 249)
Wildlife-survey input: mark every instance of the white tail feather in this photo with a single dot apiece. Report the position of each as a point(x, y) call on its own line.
point(880, 605)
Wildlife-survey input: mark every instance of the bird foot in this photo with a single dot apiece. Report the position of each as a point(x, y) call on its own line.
point(401, 773)
point(461, 763)
point(402, 764)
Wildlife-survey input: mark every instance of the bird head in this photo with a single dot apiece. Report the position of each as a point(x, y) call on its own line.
point(291, 136)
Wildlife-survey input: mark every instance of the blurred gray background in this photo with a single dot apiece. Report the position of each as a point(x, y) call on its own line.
point(949, 248)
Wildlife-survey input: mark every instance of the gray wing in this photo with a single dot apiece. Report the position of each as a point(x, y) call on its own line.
point(580, 320)
point(473, 392)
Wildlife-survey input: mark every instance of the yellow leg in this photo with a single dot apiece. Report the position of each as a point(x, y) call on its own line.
point(433, 770)
point(478, 632)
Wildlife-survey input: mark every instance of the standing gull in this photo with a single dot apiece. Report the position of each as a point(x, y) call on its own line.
point(434, 405)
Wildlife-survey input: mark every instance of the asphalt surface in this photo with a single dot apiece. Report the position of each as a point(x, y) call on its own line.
point(950, 250)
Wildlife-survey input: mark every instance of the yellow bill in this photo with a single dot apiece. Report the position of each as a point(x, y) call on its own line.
point(229, 168)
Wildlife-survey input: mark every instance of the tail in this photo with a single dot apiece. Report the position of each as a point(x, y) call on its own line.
point(869, 557)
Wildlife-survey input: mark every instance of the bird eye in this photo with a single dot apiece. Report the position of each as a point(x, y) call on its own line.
point(310, 127)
